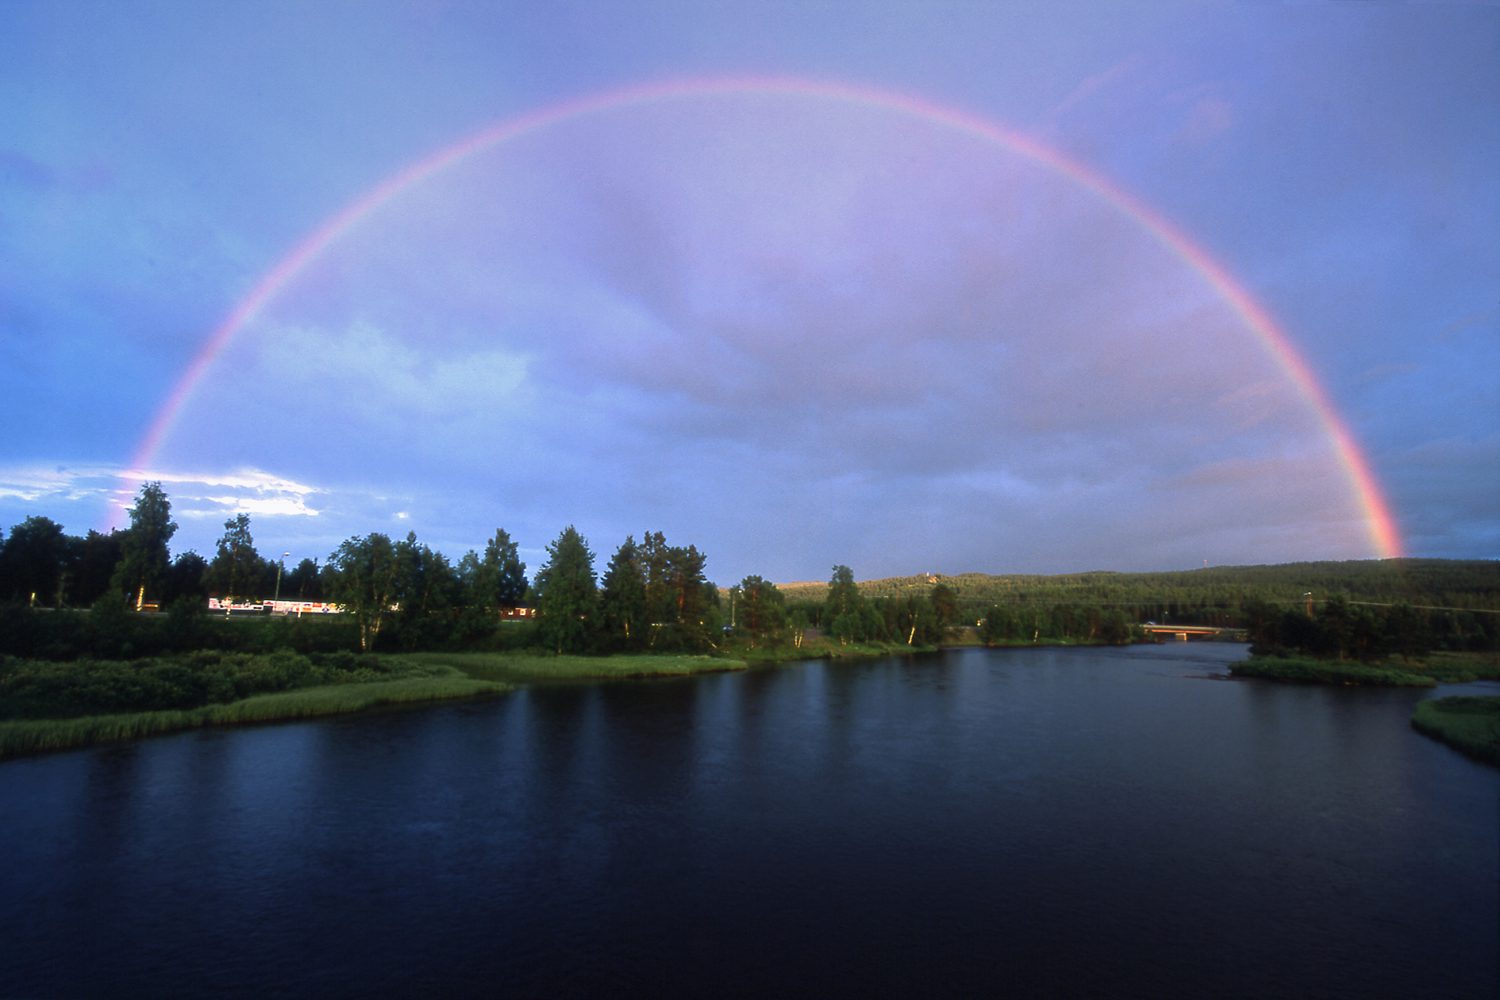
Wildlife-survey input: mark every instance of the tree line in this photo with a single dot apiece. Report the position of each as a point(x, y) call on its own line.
point(400, 593)
point(1340, 629)
point(655, 596)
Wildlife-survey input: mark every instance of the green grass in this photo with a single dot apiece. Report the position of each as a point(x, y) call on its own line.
point(360, 684)
point(1311, 671)
point(1435, 668)
point(524, 668)
point(1469, 724)
point(1459, 668)
point(27, 736)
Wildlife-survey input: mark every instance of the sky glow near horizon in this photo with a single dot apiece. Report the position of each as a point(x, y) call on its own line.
point(791, 329)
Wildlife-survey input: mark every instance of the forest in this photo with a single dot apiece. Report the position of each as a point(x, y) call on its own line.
point(653, 596)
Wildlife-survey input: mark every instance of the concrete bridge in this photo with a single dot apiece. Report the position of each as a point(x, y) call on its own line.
point(1185, 632)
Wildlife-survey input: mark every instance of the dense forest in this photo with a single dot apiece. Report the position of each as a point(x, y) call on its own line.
point(653, 596)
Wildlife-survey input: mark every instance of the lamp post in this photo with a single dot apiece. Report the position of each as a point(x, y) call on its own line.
point(280, 565)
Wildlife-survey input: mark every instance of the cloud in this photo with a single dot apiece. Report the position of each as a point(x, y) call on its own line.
point(1092, 86)
point(109, 491)
point(720, 320)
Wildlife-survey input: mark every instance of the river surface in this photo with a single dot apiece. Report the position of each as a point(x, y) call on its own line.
point(1119, 822)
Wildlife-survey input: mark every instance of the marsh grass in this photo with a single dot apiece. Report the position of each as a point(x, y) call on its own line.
point(1432, 669)
point(26, 736)
point(1310, 671)
point(524, 668)
point(1469, 724)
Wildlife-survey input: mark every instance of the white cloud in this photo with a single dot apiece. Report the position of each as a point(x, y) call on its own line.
point(63, 491)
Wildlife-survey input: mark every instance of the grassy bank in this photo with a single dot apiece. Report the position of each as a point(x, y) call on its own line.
point(819, 647)
point(25, 736)
point(1469, 724)
point(527, 668)
point(1310, 671)
point(1437, 668)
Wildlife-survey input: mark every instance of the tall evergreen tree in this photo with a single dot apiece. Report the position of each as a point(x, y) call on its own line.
point(622, 600)
point(498, 579)
point(567, 596)
point(510, 589)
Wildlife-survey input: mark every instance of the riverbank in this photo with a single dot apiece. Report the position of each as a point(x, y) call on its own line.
point(19, 737)
point(532, 668)
point(825, 649)
point(419, 677)
point(1437, 668)
point(1468, 724)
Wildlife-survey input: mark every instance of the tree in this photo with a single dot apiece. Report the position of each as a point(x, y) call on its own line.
point(680, 602)
point(623, 623)
point(498, 579)
point(91, 564)
point(32, 562)
point(843, 607)
point(1002, 624)
point(566, 593)
point(303, 582)
point(944, 605)
point(236, 567)
point(426, 587)
point(362, 575)
point(145, 556)
point(188, 579)
point(760, 611)
point(510, 572)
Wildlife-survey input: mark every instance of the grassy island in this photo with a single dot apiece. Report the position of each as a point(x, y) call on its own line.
point(1428, 671)
point(1469, 724)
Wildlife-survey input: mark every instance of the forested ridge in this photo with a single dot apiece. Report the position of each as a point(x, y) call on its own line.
point(654, 596)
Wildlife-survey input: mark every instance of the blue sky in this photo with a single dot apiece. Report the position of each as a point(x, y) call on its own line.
point(792, 330)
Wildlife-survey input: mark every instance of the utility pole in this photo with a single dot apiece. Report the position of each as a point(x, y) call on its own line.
point(280, 565)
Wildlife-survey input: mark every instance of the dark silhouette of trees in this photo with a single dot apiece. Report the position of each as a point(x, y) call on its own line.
point(145, 555)
point(32, 562)
point(237, 570)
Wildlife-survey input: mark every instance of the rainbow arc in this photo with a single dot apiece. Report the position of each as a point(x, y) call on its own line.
point(1383, 530)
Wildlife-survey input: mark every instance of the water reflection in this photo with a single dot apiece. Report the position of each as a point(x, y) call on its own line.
point(1043, 820)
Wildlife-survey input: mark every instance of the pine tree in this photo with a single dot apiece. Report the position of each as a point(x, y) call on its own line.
point(567, 597)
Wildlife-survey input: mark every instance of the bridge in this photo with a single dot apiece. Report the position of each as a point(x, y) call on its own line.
point(1185, 632)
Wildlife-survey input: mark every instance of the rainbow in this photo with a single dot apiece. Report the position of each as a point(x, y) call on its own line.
point(1384, 532)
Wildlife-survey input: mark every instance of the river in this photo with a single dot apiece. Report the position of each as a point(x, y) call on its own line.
point(1121, 822)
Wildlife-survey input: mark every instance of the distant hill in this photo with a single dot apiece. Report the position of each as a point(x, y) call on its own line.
point(1447, 583)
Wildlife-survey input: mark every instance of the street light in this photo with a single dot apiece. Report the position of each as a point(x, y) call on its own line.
point(280, 565)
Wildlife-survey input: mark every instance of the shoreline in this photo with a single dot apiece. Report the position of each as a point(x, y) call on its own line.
point(1437, 668)
point(32, 737)
point(1469, 724)
point(461, 677)
point(469, 675)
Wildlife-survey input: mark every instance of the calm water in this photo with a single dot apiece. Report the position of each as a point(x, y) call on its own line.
point(1066, 822)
